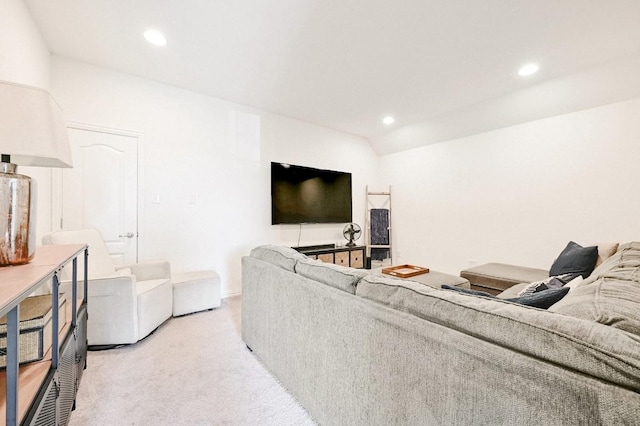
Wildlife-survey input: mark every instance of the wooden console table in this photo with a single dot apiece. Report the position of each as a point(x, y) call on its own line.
point(346, 256)
point(43, 392)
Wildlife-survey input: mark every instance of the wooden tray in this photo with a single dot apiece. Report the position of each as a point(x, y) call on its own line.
point(405, 271)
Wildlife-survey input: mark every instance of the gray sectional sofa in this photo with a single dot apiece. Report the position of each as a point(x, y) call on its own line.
point(356, 348)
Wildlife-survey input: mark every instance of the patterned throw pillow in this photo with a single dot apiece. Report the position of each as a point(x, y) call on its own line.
point(557, 281)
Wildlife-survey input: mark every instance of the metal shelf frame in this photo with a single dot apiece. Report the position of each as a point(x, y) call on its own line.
point(44, 272)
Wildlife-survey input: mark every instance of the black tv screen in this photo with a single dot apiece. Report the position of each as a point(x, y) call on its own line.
point(307, 195)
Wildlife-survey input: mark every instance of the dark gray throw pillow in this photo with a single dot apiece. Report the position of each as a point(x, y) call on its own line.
point(575, 259)
point(541, 299)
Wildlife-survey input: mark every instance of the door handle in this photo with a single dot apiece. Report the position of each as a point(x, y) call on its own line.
point(127, 235)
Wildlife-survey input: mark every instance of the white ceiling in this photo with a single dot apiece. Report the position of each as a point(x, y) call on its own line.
point(442, 68)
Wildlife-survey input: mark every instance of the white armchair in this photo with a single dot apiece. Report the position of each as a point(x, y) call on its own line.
point(125, 303)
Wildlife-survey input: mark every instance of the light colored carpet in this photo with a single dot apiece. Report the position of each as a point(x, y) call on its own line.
point(194, 370)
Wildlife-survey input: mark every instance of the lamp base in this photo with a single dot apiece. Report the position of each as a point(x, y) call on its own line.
point(17, 216)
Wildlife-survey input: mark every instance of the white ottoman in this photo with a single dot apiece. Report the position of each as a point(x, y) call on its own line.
point(195, 291)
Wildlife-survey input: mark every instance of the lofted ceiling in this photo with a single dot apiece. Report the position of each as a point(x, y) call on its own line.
point(443, 68)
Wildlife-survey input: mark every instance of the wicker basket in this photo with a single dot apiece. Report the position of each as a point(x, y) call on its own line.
point(35, 328)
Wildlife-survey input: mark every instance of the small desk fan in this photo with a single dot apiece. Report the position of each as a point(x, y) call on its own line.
point(351, 232)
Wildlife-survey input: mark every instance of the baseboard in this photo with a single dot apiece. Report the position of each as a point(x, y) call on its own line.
point(231, 293)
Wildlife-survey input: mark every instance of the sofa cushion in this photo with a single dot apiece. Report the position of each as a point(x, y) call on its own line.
point(381, 288)
point(337, 276)
point(284, 257)
point(149, 285)
point(586, 345)
point(575, 259)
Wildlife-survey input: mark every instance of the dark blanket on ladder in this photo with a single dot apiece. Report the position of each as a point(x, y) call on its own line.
point(379, 233)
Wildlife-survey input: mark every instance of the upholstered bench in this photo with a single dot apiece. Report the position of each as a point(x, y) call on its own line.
point(195, 291)
point(494, 278)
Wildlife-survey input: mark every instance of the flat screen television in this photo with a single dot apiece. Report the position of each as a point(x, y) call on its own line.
point(307, 195)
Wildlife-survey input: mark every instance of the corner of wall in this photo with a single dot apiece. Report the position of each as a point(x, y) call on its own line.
point(24, 54)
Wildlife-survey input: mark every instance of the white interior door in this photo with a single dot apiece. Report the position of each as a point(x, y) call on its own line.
point(100, 191)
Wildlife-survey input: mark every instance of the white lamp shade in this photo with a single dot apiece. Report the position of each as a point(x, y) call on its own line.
point(32, 127)
point(32, 133)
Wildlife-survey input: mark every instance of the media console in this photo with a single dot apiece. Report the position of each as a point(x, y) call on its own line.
point(43, 392)
point(353, 256)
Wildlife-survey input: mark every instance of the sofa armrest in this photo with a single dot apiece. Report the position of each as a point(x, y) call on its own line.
point(149, 270)
point(112, 285)
point(113, 310)
point(117, 284)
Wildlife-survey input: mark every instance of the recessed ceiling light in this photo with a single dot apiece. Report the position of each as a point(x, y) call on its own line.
point(388, 120)
point(528, 69)
point(155, 37)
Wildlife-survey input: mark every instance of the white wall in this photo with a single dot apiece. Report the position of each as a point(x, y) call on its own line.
point(188, 154)
point(513, 195)
point(24, 59)
point(24, 56)
point(519, 194)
